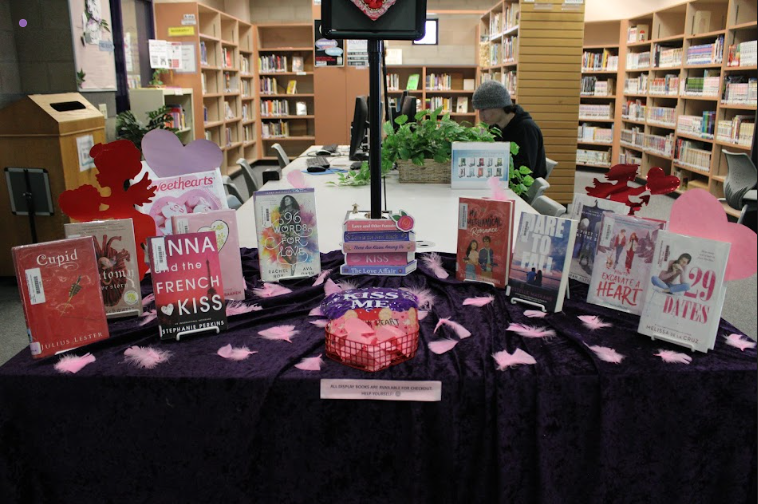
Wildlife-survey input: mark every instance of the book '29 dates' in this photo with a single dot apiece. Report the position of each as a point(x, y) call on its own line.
point(59, 284)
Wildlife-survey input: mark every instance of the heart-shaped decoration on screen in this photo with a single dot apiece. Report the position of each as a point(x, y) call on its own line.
point(221, 229)
point(167, 309)
point(698, 213)
point(167, 157)
point(374, 8)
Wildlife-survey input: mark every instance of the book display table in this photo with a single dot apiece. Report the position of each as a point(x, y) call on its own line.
point(570, 428)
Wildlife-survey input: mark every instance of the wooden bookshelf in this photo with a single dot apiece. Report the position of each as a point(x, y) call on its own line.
point(679, 27)
point(546, 77)
point(225, 81)
point(145, 100)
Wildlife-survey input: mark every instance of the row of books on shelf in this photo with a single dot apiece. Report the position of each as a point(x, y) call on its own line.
point(666, 57)
point(595, 111)
point(507, 79)
point(667, 85)
point(504, 21)
point(230, 82)
point(705, 86)
point(245, 88)
point(627, 156)
point(495, 55)
point(591, 86)
point(603, 61)
point(229, 136)
point(656, 144)
point(587, 133)
point(248, 133)
point(593, 157)
point(270, 86)
point(637, 85)
point(229, 112)
point(742, 54)
point(275, 129)
point(706, 54)
point(702, 126)
point(245, 65)
point(739, 130)
point(740, 90)
point(271, 108)
point(272, 63)
point(203, 53)
point(439, 82)
point(693, 155)
point(245, 112)
point(664, 116)
point(635, 61)
point(510, 49)
point(633, 110)
point(178, 118)
point(637, 33)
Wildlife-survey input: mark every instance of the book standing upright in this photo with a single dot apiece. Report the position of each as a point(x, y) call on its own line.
point(485, 239)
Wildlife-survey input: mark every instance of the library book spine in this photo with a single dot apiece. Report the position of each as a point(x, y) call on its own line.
point(379, 259)
point(379, 270)
point(379, 246)
point(362, 236)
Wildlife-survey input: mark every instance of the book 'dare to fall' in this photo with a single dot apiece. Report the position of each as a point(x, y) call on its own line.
point(623, 258)
point(684, 293)
point(59, 285)
point(485, 230)
point(541, 257)
point(187, 283)
point(117, 262)
point(285, 221)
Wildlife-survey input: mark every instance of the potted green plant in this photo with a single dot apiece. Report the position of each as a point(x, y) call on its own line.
point(130, 128)
point(422, 150)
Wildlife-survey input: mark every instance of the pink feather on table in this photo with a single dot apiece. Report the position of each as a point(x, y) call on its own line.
point(146, 357)
point(422, 314)
point(607, 354)
point(297, 179)
point(433, 261)
point(283, 332)
point(235, 353)
point(238, 308)
point(441, 346)
point(505, 360)
point(424, 296)
point(148, 299)
point(673, 357)
point(498, 193)
point(593, 322)
point(148, 317)
point(316, 312)
point(531, 332)
point(271, 290)
point(736, 341)
point(347, 285)
point(535, 314)
point(320, 322)
point(331, 288)
point(321, 277)
point(478, 301)
point(310, 363)
point(73, 363)
point(461, 331)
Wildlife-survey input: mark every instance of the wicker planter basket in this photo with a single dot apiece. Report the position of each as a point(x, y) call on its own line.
point(431, 173)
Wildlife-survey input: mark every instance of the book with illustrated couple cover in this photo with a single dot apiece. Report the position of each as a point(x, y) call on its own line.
point(684, 292)
point(623, 257)
point(541, 257)
point(485, 237)
point(285, 222)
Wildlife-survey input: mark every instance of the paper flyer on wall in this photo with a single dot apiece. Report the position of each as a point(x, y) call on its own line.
point(473, 163)
point(329, 52)
point(95, 64)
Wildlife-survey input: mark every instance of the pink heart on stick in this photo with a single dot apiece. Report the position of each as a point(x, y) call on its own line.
point(167, 157)
point(698, 213)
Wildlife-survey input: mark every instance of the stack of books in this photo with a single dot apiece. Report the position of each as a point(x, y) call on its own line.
point(661, 116)
point(272, 63)
point(665, 86)
point(377, 246)
point(706, 54)
point(742, 55)
point(738, 130)
point(667, 57)
point(701, 126)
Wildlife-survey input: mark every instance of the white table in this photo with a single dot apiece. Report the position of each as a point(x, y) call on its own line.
point(433, 206)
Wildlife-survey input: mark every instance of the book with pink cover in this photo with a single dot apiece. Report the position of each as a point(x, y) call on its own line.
point(485, 235)
point(224, 224)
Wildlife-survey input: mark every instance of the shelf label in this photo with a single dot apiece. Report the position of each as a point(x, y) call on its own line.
point(181, 31)
point(382, 390)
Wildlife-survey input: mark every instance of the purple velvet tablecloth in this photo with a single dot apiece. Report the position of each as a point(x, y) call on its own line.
point(570, 429)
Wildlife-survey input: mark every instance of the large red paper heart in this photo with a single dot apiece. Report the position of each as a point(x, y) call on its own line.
point(698, 213)
point(374, 8)
point(167, 157)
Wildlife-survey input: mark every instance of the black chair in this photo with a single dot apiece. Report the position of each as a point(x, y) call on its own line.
point(740, 183)
point(281, 156)
point(255, 177)
point(233, 197)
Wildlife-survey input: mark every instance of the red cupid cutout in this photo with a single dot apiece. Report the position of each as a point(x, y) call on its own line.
point(634, 197)
point(117, 163)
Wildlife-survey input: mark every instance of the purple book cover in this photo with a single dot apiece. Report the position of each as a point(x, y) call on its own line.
point(224, 224)
point(361, 236)
point(187, 283)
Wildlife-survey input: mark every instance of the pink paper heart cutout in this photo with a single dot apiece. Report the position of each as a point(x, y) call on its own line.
point(698, 213)
point(167, 157)
point(166, 206)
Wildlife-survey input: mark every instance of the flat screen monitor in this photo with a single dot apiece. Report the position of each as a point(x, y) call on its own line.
point(359, 129)
point(403, 20)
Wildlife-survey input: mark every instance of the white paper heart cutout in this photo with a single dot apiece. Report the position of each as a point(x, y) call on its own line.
point(221, 229)
point(168, 309)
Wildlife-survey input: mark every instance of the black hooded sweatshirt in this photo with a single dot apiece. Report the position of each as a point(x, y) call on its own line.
point(524, 131)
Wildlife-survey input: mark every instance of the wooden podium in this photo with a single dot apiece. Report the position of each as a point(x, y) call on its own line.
point(43, 131)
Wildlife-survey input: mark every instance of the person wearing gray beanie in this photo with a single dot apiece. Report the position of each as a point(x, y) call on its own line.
point(496, 108)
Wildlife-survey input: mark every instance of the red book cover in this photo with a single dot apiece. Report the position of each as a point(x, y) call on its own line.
point(485, 237)
point(59, 283)
point(187, 283)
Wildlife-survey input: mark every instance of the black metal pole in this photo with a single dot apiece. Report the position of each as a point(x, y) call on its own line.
point(375, 126)
point(30, 206)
